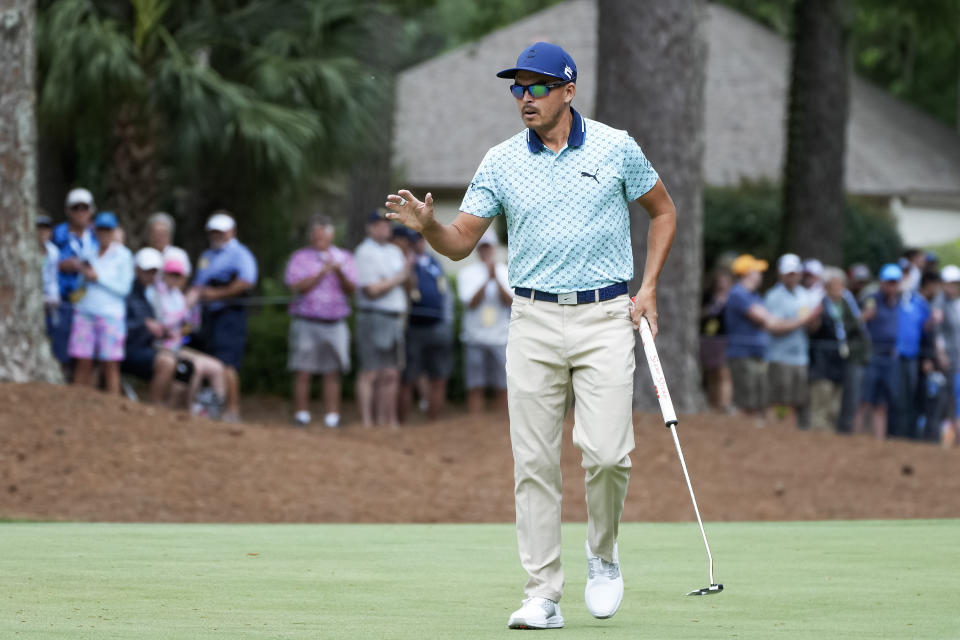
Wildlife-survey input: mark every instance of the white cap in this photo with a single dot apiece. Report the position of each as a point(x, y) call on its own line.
point(148, 258)
point(220, 222)
point(489, 237)
point(950, 273)
point(178, 254)
point(813, 266)
point(789, 263)
point(79, 196)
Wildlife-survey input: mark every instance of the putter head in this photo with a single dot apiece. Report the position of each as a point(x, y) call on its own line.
point(706, 591)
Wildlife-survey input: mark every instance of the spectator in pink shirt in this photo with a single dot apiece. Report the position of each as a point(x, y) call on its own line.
point(322, 278)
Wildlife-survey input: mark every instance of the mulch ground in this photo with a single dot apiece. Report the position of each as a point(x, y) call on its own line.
point(76, 454)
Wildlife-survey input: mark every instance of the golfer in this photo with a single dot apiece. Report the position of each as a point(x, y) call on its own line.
point(563, 185)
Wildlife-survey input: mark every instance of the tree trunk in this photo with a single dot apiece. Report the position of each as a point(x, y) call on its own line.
point(24, 349)
point(652, 61)
point(133, 179)
point(813, 182)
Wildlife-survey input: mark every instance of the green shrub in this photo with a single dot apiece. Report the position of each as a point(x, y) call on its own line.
point(746, 219)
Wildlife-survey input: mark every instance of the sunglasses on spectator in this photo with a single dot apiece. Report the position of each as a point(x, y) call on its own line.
point(79, 207)
point(538, 90)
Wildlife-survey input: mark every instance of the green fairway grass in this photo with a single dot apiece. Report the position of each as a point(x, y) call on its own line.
point(886, 579)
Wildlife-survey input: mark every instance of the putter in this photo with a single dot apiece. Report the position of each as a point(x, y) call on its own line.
point(670, 420)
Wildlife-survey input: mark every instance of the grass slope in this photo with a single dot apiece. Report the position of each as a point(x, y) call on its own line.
point(862, 579)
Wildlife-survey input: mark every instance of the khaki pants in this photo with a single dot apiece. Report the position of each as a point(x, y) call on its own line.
point(552, 350)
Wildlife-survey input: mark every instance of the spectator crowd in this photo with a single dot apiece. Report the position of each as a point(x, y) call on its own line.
point(822, 348)
point(831, 349)
point(113, 316)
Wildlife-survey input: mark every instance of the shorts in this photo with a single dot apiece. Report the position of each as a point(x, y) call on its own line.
point(881, 381)
point(319, 347)
point(485, 366)
point(788, 384)
point(97, 337)
point(749, 377)
point(379, 340)
point(429, 351)
point(139, 362)
point(225, 335)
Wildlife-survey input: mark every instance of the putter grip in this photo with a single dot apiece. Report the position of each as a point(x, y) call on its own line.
point(656, 373)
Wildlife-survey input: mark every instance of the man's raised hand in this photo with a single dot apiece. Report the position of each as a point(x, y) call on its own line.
point(410, 212)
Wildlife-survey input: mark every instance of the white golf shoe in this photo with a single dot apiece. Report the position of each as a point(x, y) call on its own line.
point(536, 613)
point(604, 590)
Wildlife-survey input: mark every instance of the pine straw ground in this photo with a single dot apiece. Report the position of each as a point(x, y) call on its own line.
point(76, 454)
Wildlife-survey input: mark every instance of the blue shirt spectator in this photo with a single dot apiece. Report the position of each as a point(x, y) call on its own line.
point(428, 304)
point(72, 244)
point(791, 348)
point(882, 325)
point(745, 339)
point(222, 265)
point(913, 312)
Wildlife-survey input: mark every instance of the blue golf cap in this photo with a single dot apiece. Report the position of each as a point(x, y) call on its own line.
point(890, 273)
point(376, 215)
point(105, 220)
point(545, 58)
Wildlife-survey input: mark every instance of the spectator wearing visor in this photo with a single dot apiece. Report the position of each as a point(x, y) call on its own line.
point(98, 330)
point(226, 272)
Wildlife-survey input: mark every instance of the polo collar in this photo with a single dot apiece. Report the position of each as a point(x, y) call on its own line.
point(578, 133)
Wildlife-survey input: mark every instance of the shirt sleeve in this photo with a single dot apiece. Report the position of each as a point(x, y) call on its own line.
point(483, 196)
point(639, 176)
point(246, 266)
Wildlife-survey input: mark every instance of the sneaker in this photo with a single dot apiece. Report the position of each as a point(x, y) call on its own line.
point(604, 590)
point(332, 420)
point(536, 613)
point(301, 418)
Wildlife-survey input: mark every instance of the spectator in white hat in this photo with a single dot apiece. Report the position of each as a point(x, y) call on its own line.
point(812, 279)
point(788, 354)
point(226, 272)
point(142, 357)
point(74, 240)
point(486, 296)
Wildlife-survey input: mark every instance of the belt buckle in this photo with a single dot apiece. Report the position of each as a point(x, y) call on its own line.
point(567, 298)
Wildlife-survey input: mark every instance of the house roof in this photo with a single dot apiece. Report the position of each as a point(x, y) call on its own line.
point(452, 108)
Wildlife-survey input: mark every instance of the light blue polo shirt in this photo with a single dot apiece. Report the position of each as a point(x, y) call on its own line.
point(567, 218)
point(222, 266)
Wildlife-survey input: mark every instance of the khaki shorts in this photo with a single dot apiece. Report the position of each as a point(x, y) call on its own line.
point(788, 384)
point(749, 383)
point(380, 342)
point(319, 347)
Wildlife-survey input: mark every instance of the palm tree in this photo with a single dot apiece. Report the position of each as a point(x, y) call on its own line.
point(24, 349)
point(231, 99)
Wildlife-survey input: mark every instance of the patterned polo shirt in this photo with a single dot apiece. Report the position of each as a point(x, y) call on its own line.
point(567, 218)
point(327, 300)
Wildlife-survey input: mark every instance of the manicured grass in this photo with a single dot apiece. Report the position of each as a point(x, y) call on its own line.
point(889, 579)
